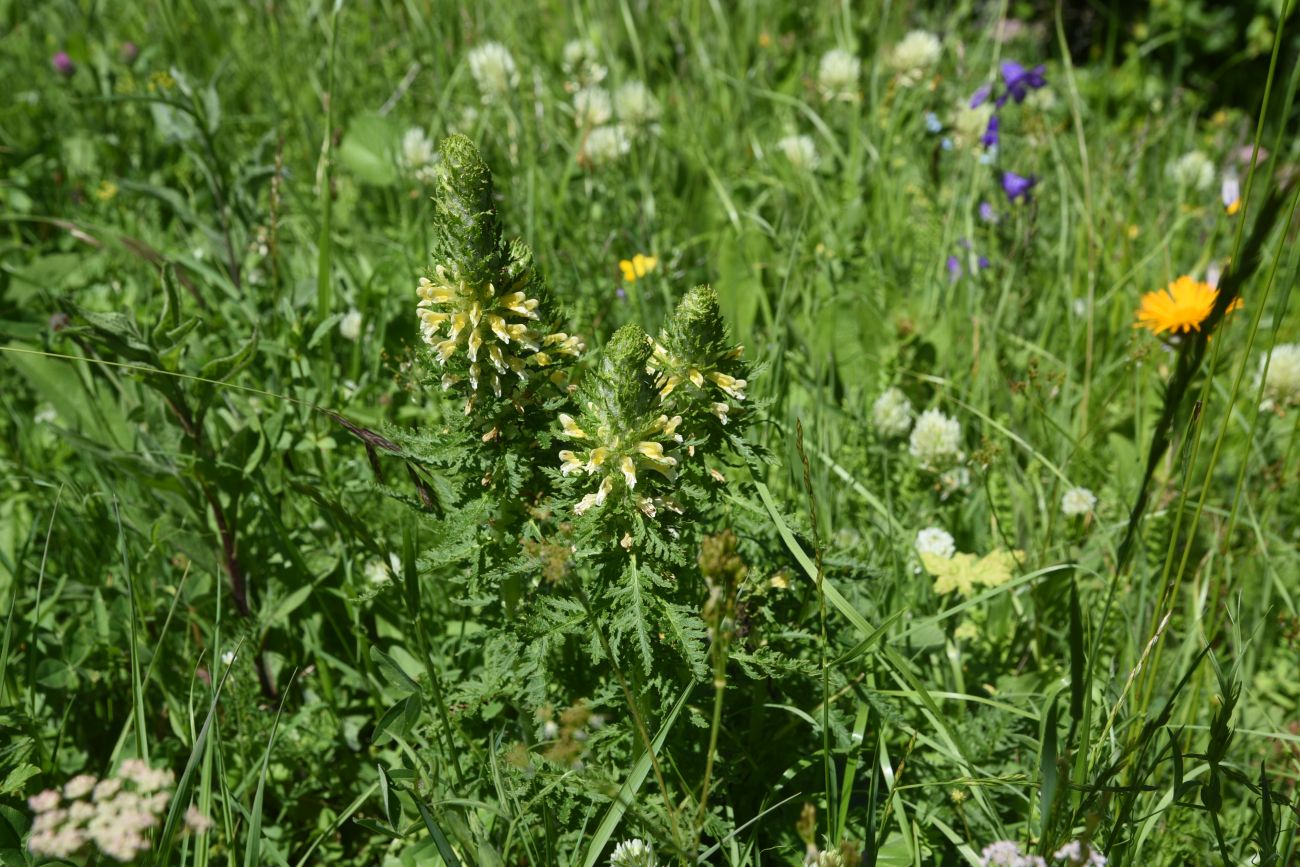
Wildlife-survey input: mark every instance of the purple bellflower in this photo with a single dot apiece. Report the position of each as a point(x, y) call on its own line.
point(1019, 81)
point(1017, 186)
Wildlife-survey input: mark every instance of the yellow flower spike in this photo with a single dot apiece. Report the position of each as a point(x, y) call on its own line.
point(628, 468)
point(571, 428)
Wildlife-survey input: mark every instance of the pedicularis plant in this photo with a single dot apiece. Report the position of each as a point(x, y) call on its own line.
point(568, 493)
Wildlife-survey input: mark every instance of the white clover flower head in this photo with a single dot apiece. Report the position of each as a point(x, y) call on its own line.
point(952, 480)
point(838, 74)
point(892, 413)
point(801, 151)
point(591, 107)
point(936, 541)
point(632, 853)
point(350, 325)
point(1282, 380)
point(418, 150)
point(969, 124)
point(1078, 501)
point(915, 56)
point(606, 144)
point(1007, 853)
point(494, 70)
point(936, 439)
point(581, 63)
point(1192, 170)
point(635, 105)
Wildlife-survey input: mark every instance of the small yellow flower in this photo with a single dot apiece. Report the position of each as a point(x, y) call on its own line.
point(637, 267)
point(107, 191)
point(764, 40)
point(1181, 306)
point(1133, 231)
point(1233, 207)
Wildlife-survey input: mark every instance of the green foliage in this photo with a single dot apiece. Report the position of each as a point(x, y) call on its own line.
point(312, 495)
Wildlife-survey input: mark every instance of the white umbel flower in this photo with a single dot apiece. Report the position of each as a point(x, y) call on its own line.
point(1078, 501)
point(494, 70)
point(635, 105)
point(892, 413)
point(936, 541)
point(936, 439)
point(1282, 384)
point(1192, 170)
point(914, 57)
point(591, 107)
point(632, 853)
point(605, 144)
point(838, 75)
point(801, 151)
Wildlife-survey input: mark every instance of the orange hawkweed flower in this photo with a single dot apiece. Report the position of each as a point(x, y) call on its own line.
point(1180, 307)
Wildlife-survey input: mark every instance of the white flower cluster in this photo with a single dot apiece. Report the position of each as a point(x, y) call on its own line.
point(419, 155)
point(1282, 383)
point(115, 814)
point(1076, 853)
point(1007, 853)
point(838, 75)
point(494, 70)
point(800, 151)
point(632, 853)
point(936, 440)
point(591, 107)
point(1078, 501)
point(1192, 170)
point(892, 413)
point(634, 107)
point(935, 541)
point(914, 57)
point(582, 64)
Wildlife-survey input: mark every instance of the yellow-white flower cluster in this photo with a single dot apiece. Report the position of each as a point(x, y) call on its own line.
point(605, 453)
point(494, 329)
point(673, 373)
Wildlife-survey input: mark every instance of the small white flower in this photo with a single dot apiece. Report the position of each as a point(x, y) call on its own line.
point(838, 74)
point(892, 413)
point(591, 107)
point(228, 658)
point(605, 144)
point(350, 325)
point(801, 151)
point(494, 70)
point(953, 480)
point(632, 853)
point(417, 149)
point(1282, 384)
point(915, 56)
point(1077, 501)
point(635, 105)
point(936, 541)
point(1007, 853)
point(1193, 170)
point(1079, 854)
point(46, 414)
point(582, 63)
point(936, 439)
